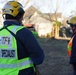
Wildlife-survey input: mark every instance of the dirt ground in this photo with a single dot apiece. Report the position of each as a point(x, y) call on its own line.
point(56, 60)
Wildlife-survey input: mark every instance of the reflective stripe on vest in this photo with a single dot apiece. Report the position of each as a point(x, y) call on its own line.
point(70, 46)
point(25, 63)
point(8, 53)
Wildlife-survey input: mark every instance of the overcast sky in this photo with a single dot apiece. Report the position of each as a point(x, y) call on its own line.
point(64, 6)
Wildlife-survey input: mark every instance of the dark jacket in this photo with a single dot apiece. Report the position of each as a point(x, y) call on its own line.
point(73, 52)
point(30, 47)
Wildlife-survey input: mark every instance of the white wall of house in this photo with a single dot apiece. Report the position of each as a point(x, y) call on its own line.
point(43, 29)
point(42, 25)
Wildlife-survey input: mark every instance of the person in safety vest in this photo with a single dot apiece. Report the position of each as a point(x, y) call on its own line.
point(19, 50)
point(72, 43)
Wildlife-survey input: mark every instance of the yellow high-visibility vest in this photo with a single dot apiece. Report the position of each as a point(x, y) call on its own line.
point(9, 63)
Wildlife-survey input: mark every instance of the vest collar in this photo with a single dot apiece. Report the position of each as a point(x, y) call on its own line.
point(7, 22)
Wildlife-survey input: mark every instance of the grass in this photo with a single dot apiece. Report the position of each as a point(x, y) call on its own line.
point(35, 33)
point(56, 60)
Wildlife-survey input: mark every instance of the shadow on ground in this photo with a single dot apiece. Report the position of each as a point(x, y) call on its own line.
point(56, 60)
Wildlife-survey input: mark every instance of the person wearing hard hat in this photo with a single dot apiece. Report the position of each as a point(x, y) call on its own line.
point(72, 43)
point(19, 49)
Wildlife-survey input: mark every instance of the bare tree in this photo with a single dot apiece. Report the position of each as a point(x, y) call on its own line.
point(26, 3)
point(55, 6)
